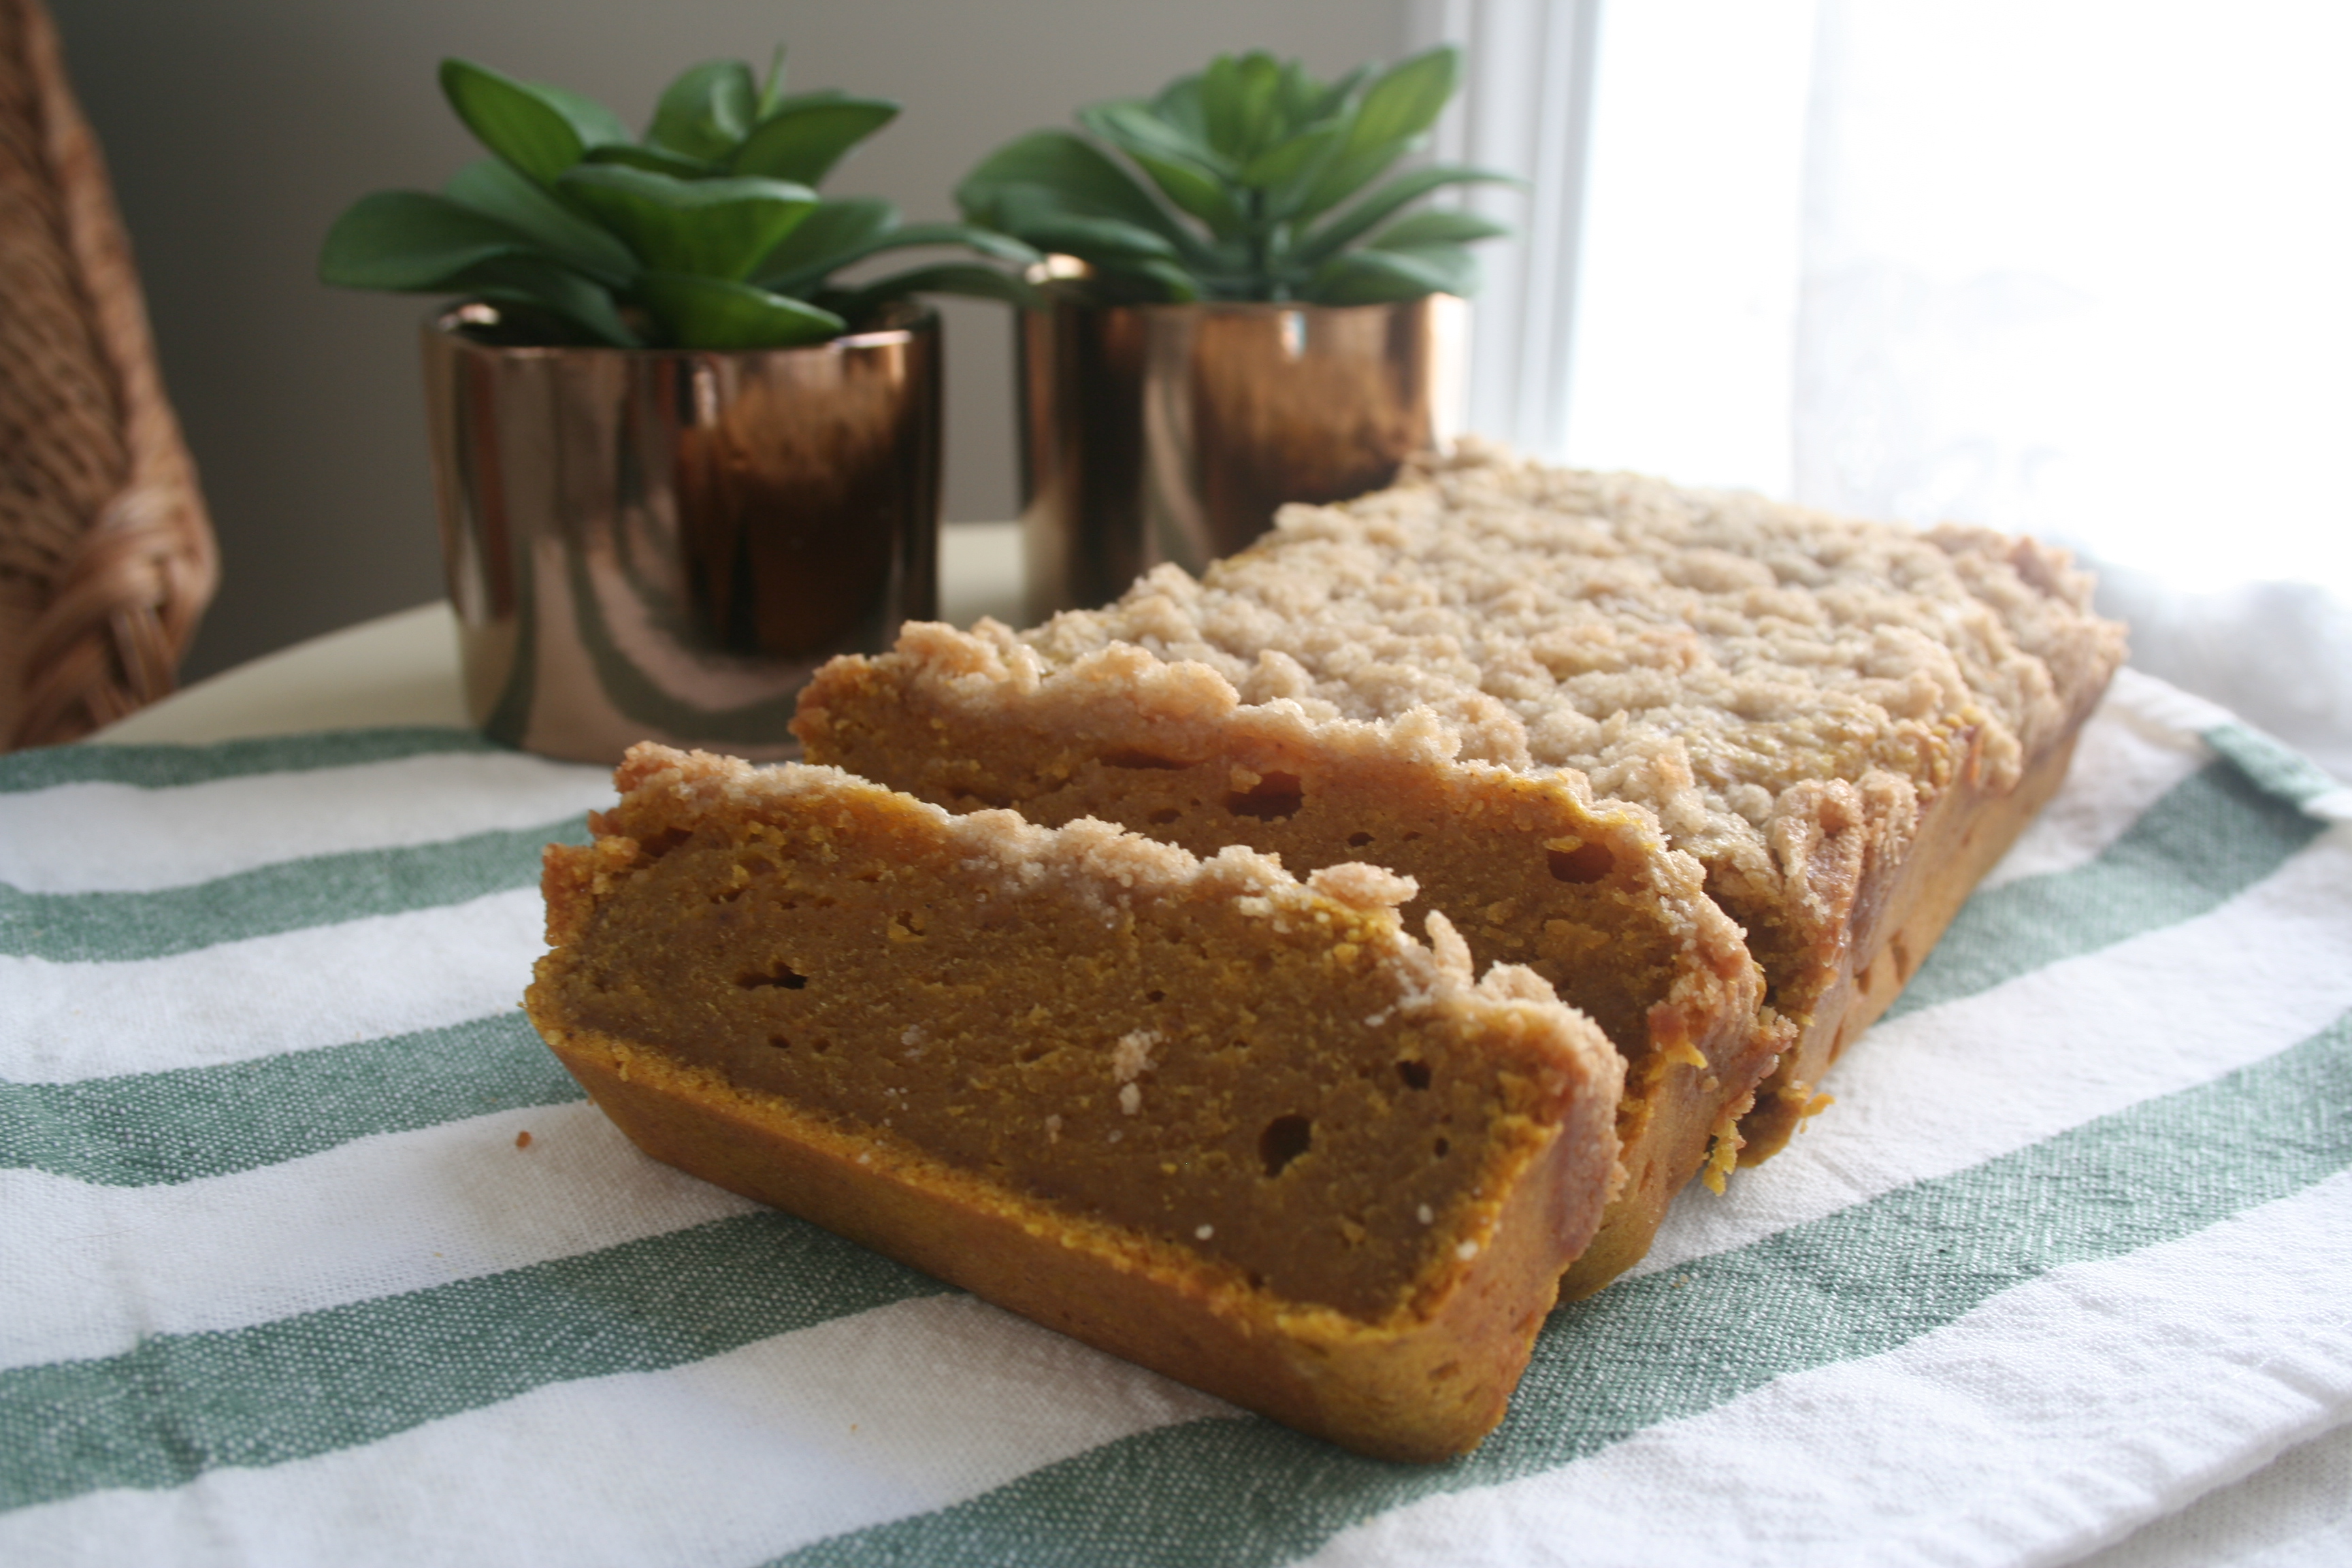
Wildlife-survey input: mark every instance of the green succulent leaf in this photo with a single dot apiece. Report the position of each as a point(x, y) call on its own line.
point(1381, 277)
point(836, 232)
point(1297, 94)
point(541, 286)
point(1221, 104)
point(659, 160)
point(1396, 110)
point(1095, 239)
point(542, 130)
point(1406, 101)
point(809, 268)
point(410, 242)
point(1342, 175)
point(597, 124)
point(496, 190)
point(1376, 208)
point(706, 111)
point(1179, 284)
point(1136, 128)
point(1178, 103)
point(771, 92)
point(1336, 97)
point(1194, 189)
point(802, 136)
point(1055, 169)
point(1446, 228)
point(721, 228)
point(965, 278)
point(718, 314)
point(1457, 268)
point(1240, 99)
point(987, 242)
point(1287, 161)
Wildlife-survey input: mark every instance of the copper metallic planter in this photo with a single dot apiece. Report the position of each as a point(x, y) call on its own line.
point(1154, 433)
point(667, 544)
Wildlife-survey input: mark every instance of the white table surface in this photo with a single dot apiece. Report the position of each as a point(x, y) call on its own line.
point(402, 669)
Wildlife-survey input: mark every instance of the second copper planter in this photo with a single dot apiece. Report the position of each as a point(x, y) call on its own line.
point(1154, 433)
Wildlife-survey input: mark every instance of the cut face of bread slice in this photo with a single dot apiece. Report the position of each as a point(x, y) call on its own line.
point(1844, 723)
point(1243, 1129)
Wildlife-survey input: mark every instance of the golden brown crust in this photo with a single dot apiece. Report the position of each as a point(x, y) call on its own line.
point(1901, 909)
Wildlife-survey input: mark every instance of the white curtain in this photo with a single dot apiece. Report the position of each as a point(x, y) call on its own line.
point(1525, 108)
point(2075, 268)
point(2085, 270)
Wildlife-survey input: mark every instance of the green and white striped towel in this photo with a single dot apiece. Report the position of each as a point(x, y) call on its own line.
point(278, 1286)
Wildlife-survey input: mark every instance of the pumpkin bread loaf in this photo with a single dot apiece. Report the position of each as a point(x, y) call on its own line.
point(1241, 1129)
point(1844, 723)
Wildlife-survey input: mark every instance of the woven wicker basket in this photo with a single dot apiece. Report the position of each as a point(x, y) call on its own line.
point(106, 556)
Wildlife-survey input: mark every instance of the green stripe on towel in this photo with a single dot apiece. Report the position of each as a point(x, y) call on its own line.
point(2273, 764)
point(182, 1405)
point(2210, 836)
point(1669, 1345)
point(292, 895)
point(160, 767)
point(147, 1129)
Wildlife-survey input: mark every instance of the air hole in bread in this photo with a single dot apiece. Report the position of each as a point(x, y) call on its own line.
point(1164, 815)
point(1358, 840)
point(1585, 863)
point(782, 976)
point(1443, 1148)
point(1271, 799)
point(780, 1043)
point(1143, 761)
point(662, 843)
point(1285, 1138)
point(1415, 1074)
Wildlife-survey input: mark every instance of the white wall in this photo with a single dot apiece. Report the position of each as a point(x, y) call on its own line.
point(238, 129)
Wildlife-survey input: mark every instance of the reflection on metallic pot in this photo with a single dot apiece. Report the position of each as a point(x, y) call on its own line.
point(667, 544)
point(1154, 433)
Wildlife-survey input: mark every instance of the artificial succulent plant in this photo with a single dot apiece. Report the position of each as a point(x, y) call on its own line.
point(705, 233)
point(1258, 184)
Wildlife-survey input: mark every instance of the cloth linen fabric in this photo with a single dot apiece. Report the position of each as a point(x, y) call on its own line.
point(309, 1252)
